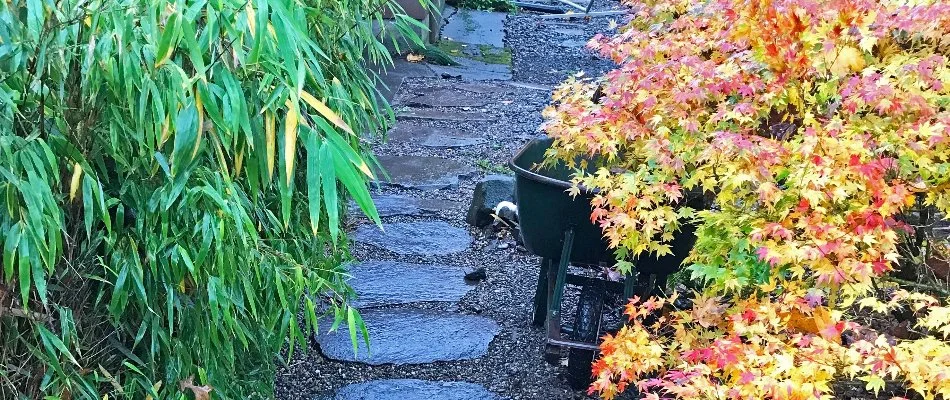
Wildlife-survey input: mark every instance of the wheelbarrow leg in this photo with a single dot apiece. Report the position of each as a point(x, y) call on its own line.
point(541, 294)
point(555, 294)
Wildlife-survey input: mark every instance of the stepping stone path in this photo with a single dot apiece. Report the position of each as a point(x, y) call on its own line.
point(415, 238)
point(389, 292)
point(381, 283)
point(423, 173)
point(412, 336)
point(413, 389)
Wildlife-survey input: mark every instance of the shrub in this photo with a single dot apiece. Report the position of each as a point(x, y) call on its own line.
point(821, 130)
point(171, 176)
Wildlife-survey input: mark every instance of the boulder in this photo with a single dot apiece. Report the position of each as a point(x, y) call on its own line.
point(490, 191)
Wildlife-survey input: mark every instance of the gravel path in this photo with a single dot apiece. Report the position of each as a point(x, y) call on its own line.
point(513, 366)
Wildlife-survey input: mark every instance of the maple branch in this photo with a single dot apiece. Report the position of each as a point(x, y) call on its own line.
point(917, 285)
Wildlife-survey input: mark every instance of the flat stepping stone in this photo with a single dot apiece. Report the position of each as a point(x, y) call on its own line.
point(419, 238)
point(429, 113)
point(422, 172)
point(413, 389)
point(447, 98)
point(474, 70)
point(433, 137)
point(394, 204)
point(481, 88)
point(411, 336)
point(570, 32)
point(382, 283)
point(573, 43)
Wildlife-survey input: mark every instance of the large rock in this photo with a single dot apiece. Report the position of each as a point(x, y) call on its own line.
point(419, 238)
point(488, 193)
point(423, 173)
point(413, 389)
point(410, 336)
point(382, 283)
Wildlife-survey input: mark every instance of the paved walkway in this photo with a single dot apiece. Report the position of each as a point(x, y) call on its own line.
point(401, 334)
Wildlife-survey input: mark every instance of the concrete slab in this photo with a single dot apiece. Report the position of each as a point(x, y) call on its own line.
point(475, 27)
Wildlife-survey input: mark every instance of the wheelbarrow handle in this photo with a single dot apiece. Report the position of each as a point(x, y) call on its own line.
point(555, 306)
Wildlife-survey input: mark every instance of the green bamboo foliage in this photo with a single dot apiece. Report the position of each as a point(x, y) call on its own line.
point(171, 182)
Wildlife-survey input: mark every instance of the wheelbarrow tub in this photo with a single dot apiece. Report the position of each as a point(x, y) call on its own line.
point(546, 210)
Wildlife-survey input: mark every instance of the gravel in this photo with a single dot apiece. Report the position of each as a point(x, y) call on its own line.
point(548, 50)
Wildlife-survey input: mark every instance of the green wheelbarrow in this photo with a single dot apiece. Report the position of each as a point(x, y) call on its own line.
point(557, 227)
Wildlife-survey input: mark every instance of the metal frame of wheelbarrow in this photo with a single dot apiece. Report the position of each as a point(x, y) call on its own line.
point(549, 294)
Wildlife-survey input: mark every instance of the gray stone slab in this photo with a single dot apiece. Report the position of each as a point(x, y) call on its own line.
point(429, 113)
point(475, 27)
point(423, 173)
point(472, 70)
point(453, 141)
point(432, 136)
point(570, 32)
point(573, 43)
point(410, 336)
point(413, 389)
point(394, 204)
point(481, 88)
point(448, 98)
point(415, 238)
point(381, 283)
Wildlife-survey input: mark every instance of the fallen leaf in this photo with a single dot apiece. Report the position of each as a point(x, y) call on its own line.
point(200, 392)
point(413, 57)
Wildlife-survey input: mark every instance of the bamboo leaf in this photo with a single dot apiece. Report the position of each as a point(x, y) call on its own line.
point(74, 182)
point(325, 111)
point(9, 251)
point(167, 43)
point(270, 142)
point(290, 139)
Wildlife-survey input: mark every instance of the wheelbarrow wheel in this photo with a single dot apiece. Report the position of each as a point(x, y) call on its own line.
point(586, 327)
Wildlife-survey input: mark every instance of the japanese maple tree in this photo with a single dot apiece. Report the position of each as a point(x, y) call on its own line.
point(820, 132)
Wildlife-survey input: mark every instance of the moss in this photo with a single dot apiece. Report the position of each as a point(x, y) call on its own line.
point(484, 53)
point(494, 55)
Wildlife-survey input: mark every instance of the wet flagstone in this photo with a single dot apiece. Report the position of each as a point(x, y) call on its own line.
point(423, 173)
point(411, 336)
point(433, 114)
point(389, 283)
point(413, 389)
point(432, 137)
point(420, 238)
point(447, 98)
point(394, 204)
point(475, 27)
